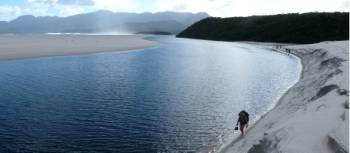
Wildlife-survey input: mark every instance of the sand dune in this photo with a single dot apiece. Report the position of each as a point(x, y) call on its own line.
point(29, 46)
point(313, 116)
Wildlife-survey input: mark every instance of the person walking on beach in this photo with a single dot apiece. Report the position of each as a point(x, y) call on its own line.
point(243, 120)
point(288, 51)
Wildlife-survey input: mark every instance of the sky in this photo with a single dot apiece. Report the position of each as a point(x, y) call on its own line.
point(11, 9)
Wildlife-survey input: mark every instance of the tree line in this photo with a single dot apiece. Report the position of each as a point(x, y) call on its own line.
point(284, 28)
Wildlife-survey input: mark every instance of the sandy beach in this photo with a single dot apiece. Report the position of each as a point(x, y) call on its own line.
point(30, 46)
point(313, 115)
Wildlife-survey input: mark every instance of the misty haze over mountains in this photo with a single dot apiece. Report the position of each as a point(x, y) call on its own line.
point(103, 22)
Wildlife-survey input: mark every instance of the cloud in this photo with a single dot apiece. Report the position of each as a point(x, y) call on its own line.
point(345, 5)
point(39, 7)
point(213, 7)
point(180, 7)
point(117, 5)
point(222, 8)
point(9, 12)
point(226, 8)
point(71, 10)
point(65, 8)
point(72, 7)
point(76, 2)
point(42, 2)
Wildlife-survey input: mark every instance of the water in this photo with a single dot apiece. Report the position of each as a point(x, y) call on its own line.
point(182, 96)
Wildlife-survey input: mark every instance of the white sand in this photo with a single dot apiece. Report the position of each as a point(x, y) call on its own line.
point(303, 122)
point(29, 46)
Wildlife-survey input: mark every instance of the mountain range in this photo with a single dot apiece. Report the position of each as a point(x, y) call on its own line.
point(103, 21)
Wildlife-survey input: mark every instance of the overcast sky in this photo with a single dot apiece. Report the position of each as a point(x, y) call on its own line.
point(10, 9)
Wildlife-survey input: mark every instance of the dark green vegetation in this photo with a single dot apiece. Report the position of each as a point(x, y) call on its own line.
point(284, 28)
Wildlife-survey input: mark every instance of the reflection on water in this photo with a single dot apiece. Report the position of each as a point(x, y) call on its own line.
point(182, 96)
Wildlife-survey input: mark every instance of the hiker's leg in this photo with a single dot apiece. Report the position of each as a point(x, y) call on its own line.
point(241, 127)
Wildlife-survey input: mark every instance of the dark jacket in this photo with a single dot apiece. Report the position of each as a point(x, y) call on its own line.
point(243, 118)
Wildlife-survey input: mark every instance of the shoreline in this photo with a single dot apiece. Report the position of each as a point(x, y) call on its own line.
point(267, 46)
point(13, 47)
point(265, 134)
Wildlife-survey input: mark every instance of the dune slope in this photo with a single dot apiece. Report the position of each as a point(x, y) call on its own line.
point(312, 117)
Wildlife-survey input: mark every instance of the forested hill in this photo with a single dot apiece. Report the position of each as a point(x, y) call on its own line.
point(284, 28)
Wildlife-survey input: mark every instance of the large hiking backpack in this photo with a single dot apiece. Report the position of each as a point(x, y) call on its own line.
point(243, 117)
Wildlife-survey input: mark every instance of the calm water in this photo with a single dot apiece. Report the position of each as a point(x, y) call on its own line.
point(182, 96)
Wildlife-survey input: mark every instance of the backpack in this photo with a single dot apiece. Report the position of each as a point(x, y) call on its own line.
point(243, 117)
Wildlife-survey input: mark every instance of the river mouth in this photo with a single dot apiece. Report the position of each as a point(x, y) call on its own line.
point(182, 96)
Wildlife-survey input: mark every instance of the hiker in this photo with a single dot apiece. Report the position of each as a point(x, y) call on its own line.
point(243, 119)
point(288, 51)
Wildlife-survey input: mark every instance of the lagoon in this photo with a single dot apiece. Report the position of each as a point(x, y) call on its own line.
point(181, 96)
